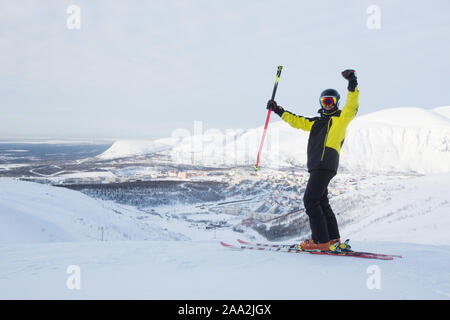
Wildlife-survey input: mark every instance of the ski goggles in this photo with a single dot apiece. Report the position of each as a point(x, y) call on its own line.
point(327, 101)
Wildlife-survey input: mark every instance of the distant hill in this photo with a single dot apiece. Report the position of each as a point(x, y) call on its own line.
point(391, 140)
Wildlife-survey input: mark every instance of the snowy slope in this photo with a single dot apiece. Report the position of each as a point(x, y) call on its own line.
point(205, 270)
point(400, 139)
point(31, 212)
point(444, 111)
point(414, 210)
point(404, 213)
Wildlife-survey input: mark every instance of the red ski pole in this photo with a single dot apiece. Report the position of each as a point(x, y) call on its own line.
point(268, 116)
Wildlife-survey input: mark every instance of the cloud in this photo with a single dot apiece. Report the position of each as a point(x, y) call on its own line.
point(143, 64)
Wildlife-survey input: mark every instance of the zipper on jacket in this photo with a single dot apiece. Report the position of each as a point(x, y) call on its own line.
point(325, 141)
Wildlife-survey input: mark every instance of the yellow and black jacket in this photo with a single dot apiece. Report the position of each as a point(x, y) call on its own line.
point(327, 133)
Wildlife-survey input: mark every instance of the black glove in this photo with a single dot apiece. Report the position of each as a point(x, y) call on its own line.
point(272, 105)
point(350, 75)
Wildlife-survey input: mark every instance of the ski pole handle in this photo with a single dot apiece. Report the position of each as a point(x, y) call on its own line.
point(276, 82)
point(268, 116)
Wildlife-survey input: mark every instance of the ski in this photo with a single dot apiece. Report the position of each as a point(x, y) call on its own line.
point(295, 250)
point(290, 246)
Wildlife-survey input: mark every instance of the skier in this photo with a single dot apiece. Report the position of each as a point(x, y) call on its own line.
point(327, 134)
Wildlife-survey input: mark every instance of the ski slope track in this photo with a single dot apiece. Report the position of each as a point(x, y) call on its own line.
point(205, 270)
point(46, 229)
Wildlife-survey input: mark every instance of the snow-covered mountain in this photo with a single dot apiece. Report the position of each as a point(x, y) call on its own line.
point(402, 140)
point(129, 148)
point(399, 139)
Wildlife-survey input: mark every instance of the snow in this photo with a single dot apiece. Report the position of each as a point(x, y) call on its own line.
point(412, 211)
point(41, 236)
point(444, 111)
point(127, 148)
point(143, 255)
point(398, 139)
point(61, 176)
point(405, 117)
point(11, 166)
point(205, 270)
point(31, 212)
point(384, 142)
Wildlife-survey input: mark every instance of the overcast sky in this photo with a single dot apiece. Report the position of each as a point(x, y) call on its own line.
point(141, 69)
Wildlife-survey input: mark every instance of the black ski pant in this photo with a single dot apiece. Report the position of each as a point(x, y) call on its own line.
point(321, 217)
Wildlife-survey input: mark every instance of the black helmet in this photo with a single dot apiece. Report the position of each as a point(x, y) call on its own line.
point(330, 93)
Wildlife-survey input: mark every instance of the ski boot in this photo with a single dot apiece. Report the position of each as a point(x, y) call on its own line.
point(311, 245)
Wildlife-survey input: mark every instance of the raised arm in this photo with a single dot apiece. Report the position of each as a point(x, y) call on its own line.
point(297, 122)
point(351, 105)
